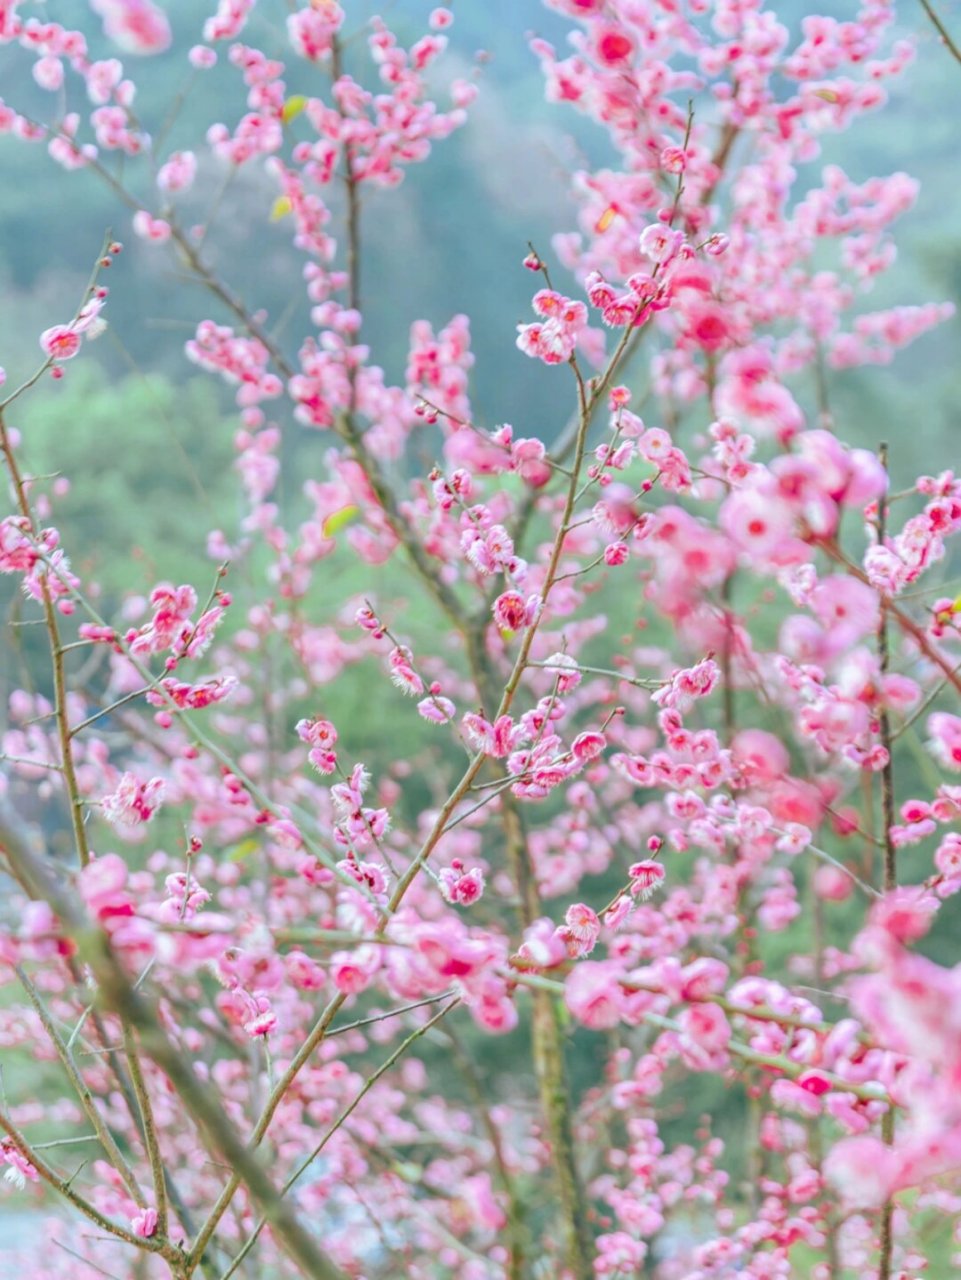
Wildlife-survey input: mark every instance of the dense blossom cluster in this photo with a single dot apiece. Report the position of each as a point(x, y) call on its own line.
point(689, 848)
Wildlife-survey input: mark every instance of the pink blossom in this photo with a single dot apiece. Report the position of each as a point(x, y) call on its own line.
point(62, 342)
point(618, 912)
point(437, 709)
point(543, 947)
point(353, 971)
point(144, 1223)
point(588, 745)
point(832, 884)
point(660, 243)
point(176, 174)
point(460, 886)
point(511, 611)
point(262, 1020)
point(202, 57)
point(133, 801)
point(906, 914)
point(945, 731)
point(706, 1026)
point(645, 877)
point(619, 1254)
point(321, 736)
point(229, 20)
point(757, 521)
point(311, 30)
point(148, 227)
point(137, 26)
point(19, 1170)
point(580, 930)
point(48, 73)
point(553, 339)
point(862, 1170)
point(593, 994)
point(492, 1006)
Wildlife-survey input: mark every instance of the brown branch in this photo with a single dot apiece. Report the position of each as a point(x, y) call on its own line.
point(341, 1119)
point(84, 1096)
point(942, 31)
point(64, 1187)
point(952, 674)
point(515, 1205)
point(889, 877)
point(121, 997)
point(71, 785)
point(353, 194)
point(149, 1129)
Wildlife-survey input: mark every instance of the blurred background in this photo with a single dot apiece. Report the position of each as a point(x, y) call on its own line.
point(146, 441)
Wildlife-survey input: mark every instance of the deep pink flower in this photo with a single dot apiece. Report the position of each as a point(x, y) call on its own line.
point(62, 342)
point(144, 1223)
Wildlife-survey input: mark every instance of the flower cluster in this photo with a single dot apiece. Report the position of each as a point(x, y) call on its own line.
point(658, 716)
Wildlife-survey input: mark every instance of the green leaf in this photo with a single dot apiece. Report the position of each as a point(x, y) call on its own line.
point(243, 850)
point(293, 107)
point(339, 520)
point(280, 208)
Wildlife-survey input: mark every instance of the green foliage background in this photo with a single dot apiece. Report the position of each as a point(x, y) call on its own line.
point(146, 442)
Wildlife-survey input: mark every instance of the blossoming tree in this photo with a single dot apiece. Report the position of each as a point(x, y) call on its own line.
point(266, 982)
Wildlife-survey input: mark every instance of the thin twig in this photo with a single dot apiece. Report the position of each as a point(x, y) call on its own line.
point(344, 1116)
point(84, 1096)
point(149, 1131)
point(942, 31)
point(889, 873)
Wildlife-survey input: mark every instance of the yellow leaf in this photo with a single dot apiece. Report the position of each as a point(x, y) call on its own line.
point(956, 606)
point(280, 208)
point(243, 850)
point(606, 218)
point(293, 107)
point(827, 95)
point(339, 520)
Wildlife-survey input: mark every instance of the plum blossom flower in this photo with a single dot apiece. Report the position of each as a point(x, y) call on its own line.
point(945, 738)
point(144, 1223)
point(137, 26)
point(618, 912)
point(757, 521)
point(645, 877)
point(133, 801)
point(402, 673)
point(619, 1254)
point(555, 337)
point(660, 243)
point(580, 930)
point(62, 342)
point(588, 745)
point(863, 1170)
point(543, 947)
point(19, 1170)
point(201, 57)
point(321, 736)
point(593, 994)
point(460, 886)
point(148, 227)
point(177, 173)
point(436, 709)
point(512, 611)
point(194, 696)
